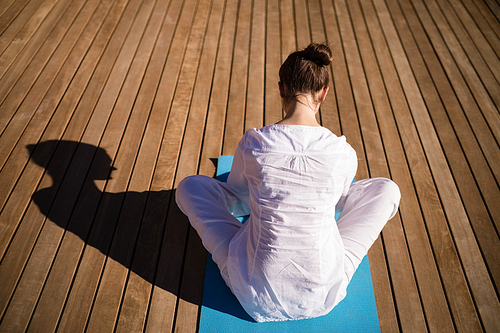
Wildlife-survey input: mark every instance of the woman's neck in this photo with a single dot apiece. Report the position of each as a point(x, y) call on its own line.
point(300, 111)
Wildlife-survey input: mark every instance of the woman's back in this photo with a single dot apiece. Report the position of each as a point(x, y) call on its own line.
point(290, 249)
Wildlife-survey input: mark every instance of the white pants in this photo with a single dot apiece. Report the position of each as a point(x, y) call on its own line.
point(208, 203)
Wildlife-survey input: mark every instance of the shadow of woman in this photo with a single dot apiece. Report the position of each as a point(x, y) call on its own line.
point(128, 227)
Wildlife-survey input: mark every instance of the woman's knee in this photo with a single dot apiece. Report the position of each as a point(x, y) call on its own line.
point(189, 182)
point(391, 193)
point(194, 184)
point(187, 188)
point(383, 190)
point(199, 188)
point(184, 188)
point(389, 188)
point(380, 187)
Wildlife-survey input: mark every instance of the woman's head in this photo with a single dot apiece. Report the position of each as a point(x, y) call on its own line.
point(305, 71)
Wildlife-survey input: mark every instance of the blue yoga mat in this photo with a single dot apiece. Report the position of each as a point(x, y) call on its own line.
point(221, 311)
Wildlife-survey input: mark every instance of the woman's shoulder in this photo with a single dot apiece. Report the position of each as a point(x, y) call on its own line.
point(287, 129)
point(295, 138)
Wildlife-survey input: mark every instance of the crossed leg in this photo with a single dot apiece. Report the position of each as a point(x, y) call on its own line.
point(367, 207)
point(208, 204)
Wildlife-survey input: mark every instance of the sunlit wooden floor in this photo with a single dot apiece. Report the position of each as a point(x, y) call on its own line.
point(105, 105)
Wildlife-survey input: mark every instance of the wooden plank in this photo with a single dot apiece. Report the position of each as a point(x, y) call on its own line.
point(386, 307)
point(302, 24)
point(475, 45)
point(272, 101)
point(254, 115)
point(9, 10)
point(433, 298)
point(194, 266)
point(26, 68)
point(195, 127)
point(161, 314)
point(330, 117)
point(494, 7)
point(169, 270)
point(287, 24)
point(317, 24)
point(191, 295)
point(130, 187)
point(132, 129)
point(317, 35)
point(287, 32)
point(481, 128)
point(159, 197)
point(476, 25)
point(486, 183)
point(485, 180)
point(6, 4)
point(303, 29)
point(134, 306)
point(235, 126)
point(485, 15)
point(212, 146)
point(19, 32)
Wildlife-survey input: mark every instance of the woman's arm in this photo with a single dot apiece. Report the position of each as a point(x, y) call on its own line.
point(352, 166)
point(236, 177)
point(238, 182)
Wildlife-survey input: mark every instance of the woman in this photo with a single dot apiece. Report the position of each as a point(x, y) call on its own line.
point(291, 259)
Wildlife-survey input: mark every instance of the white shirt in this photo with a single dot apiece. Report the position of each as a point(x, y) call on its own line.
point(287, 261)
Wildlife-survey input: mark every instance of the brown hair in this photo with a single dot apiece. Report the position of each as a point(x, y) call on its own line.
point(305, 71)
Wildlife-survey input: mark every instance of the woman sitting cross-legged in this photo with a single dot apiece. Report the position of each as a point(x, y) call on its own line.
point(291, 259)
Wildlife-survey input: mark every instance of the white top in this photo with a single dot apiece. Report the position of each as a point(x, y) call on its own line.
point(287, 261)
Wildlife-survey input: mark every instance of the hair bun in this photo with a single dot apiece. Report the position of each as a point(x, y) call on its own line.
point(318, 53)
point(305, 72)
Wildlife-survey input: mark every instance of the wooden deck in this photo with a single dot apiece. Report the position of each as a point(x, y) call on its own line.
point(105, 105)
